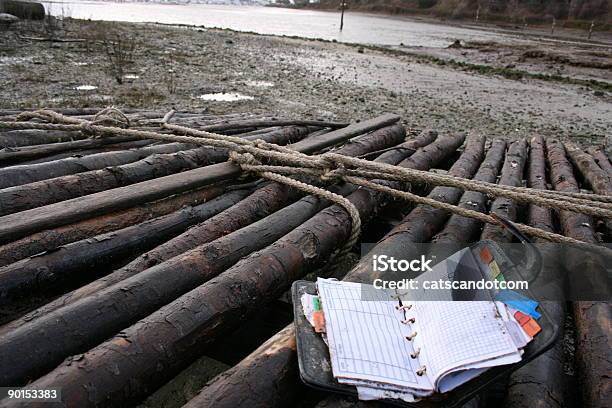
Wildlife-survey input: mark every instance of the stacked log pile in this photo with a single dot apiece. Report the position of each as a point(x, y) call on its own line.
point(122, 261)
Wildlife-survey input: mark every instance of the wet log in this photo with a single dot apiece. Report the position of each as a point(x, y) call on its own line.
point(136, 144)
point(17, 225)
point(186, 325)
point(11, 155)
point(266, 378)
point(260, 204)
point(511, 175)
point(24, 174)
point(459, 230)
point(597, 178)
point(53, 238)
point(599, 155)
point(592, 319)
point(541, 382)
point(19, 138)
point(83, 260)
point(45, 192)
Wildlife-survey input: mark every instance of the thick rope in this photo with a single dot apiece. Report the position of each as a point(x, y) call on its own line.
point(331, 166)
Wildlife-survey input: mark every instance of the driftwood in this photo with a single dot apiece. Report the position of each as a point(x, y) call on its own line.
point(592, 319)
point(541, 382)
point(511, 175)
point(145, 293)
point(15, 226)
point(44, 192)
point(260, 277)
point(458, 229)
point(599, 155)
point(84, 259)
point(258, 123)
point(24, 174)
point(53, 238)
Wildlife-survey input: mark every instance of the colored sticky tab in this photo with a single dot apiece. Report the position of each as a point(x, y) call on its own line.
point(531, 328)
point(495, 271)
point(521, 318)
point(485, 255)
point(518, 302)
point(319, 321)
point(316, 303)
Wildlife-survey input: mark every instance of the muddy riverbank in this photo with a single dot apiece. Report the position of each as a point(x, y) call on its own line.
point(547, 88)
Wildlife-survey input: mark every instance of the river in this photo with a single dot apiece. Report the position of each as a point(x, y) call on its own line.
point(358, 27)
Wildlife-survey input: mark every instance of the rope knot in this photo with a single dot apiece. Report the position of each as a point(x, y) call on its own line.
point(111, 116)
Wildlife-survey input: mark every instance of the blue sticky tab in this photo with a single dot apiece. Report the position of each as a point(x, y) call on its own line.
point(519, 302)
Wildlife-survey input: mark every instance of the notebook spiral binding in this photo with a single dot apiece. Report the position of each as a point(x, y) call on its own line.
point(402, 307)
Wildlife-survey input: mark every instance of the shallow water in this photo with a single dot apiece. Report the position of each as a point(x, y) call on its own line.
point(225, 97)
point(358, 27)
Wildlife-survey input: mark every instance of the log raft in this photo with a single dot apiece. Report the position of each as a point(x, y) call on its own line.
point(149, 274)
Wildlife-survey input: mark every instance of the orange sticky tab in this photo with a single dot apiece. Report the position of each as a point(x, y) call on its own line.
point(319, 321)
point(485, 255)
point(521, 318)
point(532, 327)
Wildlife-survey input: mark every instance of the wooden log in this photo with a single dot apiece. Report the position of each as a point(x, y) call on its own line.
point(257, 123)
point(24, 174)
point(266, 378)
point(229, 297)
point(136, 144)
point(44, 192)
point(541, 382)
point(261, 203)
point(10, 155)
point(83, 260)
point(599, 155)
point(512, 175)
point(459, 230)
point(592, 319)
point(20, 138)
point(597, 178)
point(53, 238)
point(17, 225)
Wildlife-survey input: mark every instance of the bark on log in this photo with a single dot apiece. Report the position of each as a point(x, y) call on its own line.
point(45, 192)
point(229, 297)
point(541, 382)
point(15, 226)
point(18, 154)
point(137, 144)
point(20, 138)
point(53, 238)
point(512, 175)
point(264, 379)
point(258, 123)
point(83, 260)
point(598, 179)
point(24, 174)
point(592, 319)
point(601, 159)
point(460, 229)
point(148, 291)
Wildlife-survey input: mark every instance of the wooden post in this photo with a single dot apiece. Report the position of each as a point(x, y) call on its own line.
point(591, 29)
point(342, 7)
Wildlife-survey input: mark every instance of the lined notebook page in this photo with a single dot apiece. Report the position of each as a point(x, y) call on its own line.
point(459, 334)
point(366, 338)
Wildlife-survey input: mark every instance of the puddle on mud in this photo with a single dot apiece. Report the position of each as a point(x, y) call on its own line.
point(131, 76)
point(260, 84)
point(86, 88)
point(225, 97)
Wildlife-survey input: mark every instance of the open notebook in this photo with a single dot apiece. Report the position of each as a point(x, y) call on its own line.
point(412, 349)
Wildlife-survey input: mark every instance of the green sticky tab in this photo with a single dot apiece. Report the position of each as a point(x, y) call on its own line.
point(500, 278)
point(316, 303)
